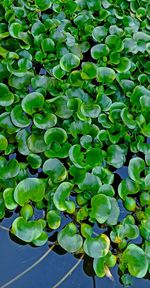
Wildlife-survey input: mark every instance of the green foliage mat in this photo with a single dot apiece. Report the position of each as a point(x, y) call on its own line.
point(74, 107)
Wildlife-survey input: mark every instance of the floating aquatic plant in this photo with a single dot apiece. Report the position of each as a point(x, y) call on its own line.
point(74, 108)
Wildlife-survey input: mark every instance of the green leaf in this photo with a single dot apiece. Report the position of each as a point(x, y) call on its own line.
point(99, 51)
point(19, 118)
point(6, 97)
point(136, 261)
point(99, 33)
point(97, 247)
point(61, 197)
point(55, 169)
point(100, 208)
point(136, 166)
point(53, 219)
point(68, 238)
point(115, 156)
point(105, 75)
point(9, 201)
point(56, 134)
point(29, 189)
point(69, 62)
point(8, 169)
point(3, 142)
point(26, 231)
point(32, 102)
point(43, 4)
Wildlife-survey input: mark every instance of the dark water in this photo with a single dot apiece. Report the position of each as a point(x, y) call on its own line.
point(15, 258)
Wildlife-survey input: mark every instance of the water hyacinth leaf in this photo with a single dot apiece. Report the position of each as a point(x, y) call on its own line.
point(90, 183)
point(32, 102)
point(53, 219)
point(8, 169)
point(114, 42)
point(6, 97)
point(69, 62)
point(55, 135)
point(115, 156)
point(88, 70)
point(115, 212)
point(48, 45)
point(127, 187)
point(99, 33)
point(34, 160)
point(105, 75)
point(44, 121)
point(61, 195)
point(43, 4)
point(99, 50)
point(29, 189)
point(146, 130)
point(21, 138)
point(19, 118)
point(136, 261)
point(136, 166)
point(94, 157)
point(100, 208)
point(90, 110)
point(3, 142)
point(97, 247)
point(101, 264)
point(15, 29)
point(26, 231)
point(36, 144)
point(27, 211)
point(41, 240)
point(107, 190)
point(55, 169)
point(76, 156)
point(127, 119)
point(124, 65)
point(9, 199)
point(68, 238)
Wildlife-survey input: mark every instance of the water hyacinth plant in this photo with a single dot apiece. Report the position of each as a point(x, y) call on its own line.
point(74, 109)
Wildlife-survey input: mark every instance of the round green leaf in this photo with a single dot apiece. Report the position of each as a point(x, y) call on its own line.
point(19, 118)
point(100, 208)
point(29, 189)
point(136, 261)
point(68, 238)
point(105, 75)
point(63, 191)
point(32, 102)
point(136, 166)
point(43, 4)
point(6, 97)
point(55, 169)
point(69, 61)
point(53, 219)
point(8, 195)
point(97, 247)
point(115, 156)
point(3, 142)
point(26, 231)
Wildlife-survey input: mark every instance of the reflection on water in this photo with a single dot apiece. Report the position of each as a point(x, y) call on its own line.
point(16, 258)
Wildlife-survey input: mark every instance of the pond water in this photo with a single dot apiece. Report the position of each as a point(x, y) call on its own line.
point(16, 258)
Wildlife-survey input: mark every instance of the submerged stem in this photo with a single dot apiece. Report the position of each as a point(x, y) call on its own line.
point(68, 273)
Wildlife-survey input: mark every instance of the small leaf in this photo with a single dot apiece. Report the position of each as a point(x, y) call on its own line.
point(136, 166)
point(100, 208)
point(68, 238)
point(97, 247)
point(136, 261)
